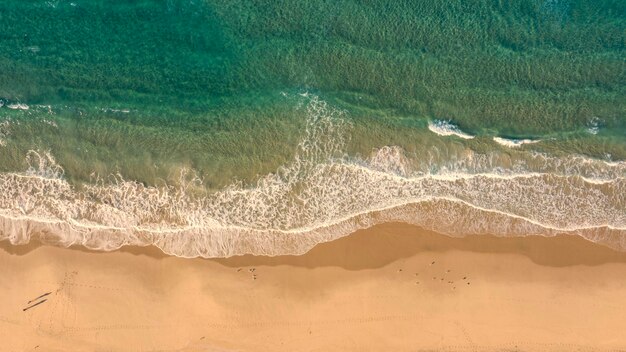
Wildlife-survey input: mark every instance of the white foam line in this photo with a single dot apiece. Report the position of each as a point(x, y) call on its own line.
point(305, 229)
point(327, 225)
point(18, 106)
point(514, 143)
point(445, 128)
point(453, 176)
point(451, 199)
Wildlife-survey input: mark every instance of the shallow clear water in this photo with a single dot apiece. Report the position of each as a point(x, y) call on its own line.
point(216, 128)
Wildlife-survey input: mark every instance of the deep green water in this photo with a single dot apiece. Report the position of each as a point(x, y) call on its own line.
point(145, 88)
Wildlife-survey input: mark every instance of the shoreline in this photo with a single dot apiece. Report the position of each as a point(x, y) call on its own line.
point(359, 292)
point(536, 247)
point(226, 242)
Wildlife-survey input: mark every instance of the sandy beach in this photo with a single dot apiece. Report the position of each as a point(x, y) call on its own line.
point(393, 287)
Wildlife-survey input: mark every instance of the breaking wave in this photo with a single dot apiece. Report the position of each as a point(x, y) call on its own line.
point(18, 106)
point(320, 196)
point(447, 128)
point(514, 143)
point(593, 126)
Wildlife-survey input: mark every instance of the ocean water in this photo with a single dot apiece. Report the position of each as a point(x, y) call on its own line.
point(218, 128)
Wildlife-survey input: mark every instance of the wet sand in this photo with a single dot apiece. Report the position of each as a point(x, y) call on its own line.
point(393, 287)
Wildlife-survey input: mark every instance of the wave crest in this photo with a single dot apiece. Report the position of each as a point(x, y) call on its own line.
point(514, 143)
point(447, 128)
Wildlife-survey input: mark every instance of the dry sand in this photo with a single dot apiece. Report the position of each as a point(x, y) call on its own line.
point(376, 290)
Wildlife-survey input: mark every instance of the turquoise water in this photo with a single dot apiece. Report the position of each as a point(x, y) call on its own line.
point(216, 128)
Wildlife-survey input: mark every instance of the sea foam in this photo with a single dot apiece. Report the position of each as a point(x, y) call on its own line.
point(322, 195)
point(593, 126)
point(18, 106)
point(447, 128)
point(514, 143)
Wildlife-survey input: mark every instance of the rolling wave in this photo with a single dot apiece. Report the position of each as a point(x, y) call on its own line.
point(514, 143)
point(447, 128)
point(18, 106)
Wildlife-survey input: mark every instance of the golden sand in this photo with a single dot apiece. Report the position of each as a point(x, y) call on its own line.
point(393, 287)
